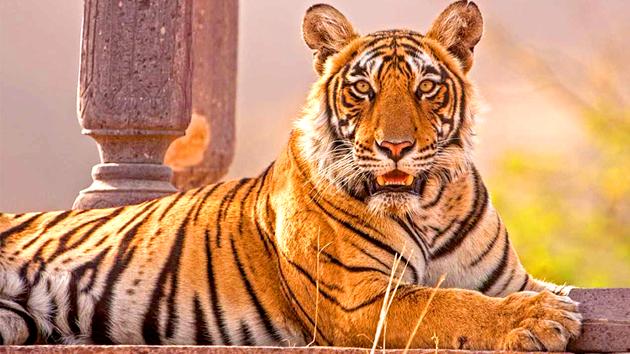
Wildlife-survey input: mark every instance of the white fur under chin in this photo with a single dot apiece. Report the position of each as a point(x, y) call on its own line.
point(399, 204)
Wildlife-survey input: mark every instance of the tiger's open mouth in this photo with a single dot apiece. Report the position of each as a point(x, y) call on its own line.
point(395, 181)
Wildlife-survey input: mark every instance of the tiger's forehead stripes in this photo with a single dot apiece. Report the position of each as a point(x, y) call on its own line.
point(398, 58)
point(405, 52)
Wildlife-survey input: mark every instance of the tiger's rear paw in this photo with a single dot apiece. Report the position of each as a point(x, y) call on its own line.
point(16, 327)
point(543, 321)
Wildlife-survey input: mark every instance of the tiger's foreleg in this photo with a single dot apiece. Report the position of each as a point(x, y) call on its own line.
point(350, 304)
point(464, 319)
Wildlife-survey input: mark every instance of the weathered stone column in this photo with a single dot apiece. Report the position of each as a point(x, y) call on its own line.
point(134, 95)
point(205, 153)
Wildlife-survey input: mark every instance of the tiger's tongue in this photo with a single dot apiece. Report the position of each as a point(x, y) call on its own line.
point(395, 177)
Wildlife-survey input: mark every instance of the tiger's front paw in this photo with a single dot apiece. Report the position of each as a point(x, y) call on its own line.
point(543, 321)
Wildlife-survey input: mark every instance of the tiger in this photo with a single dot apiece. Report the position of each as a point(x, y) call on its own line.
point(371, 205)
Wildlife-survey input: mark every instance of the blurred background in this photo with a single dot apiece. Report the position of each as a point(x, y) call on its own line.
point(553, 137)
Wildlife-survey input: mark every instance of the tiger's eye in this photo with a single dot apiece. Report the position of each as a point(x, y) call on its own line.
point(362, 86)
point(426, 86)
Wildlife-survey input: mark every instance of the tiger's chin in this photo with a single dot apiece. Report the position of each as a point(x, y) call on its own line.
point(394, 203)
point(395, 192)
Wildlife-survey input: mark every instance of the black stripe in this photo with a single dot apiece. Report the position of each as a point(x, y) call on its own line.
point(507, 282)
point(294, 301)
point(59, 218)
point(241, 218)
point(202, 335)
point(489, 246)
point(499, 269)
point(262, 313)
point(170, 271)
point(214, 297)
point(94, 264)
point(374, 52)
point(173, 268)
point(365, 252)
point(459, 104)
point(522, 287)
point(309, 276)
point(335, 96)
point(368, 238)
point(102, 309)
point(225, 204)
point(23, 297)
point(62, 216)
point(73, 305)
point(410, 37)
point(469, 223)
point(17, 228)
point(264, 237)
point(330, 297)
point(412, 231)
point(76, 274)
point(328, 109)
point(352, 269)
point(31, 326)
point(202, 203)
point(193, 192)
point(170, 205)
point(62, 245)
point(438, 197)
point(246, 335)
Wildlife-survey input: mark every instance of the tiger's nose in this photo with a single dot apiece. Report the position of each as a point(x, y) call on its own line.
point(395, 150)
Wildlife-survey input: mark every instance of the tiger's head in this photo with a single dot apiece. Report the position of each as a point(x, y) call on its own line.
point(390, 108)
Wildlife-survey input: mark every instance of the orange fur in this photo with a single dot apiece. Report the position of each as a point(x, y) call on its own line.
point(241, 262)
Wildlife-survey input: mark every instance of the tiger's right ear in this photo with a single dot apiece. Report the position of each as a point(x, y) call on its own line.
point(458, 29)
point(326, 31)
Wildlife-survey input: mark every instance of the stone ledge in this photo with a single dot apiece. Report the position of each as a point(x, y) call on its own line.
point(133, 349)
point(606, 320)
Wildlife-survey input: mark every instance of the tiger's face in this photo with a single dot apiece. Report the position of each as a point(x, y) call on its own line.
point(391, 108)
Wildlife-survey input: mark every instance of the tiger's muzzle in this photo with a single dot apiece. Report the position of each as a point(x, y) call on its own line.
point(395, 181)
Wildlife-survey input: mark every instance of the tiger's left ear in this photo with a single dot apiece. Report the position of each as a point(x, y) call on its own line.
point(326, 31)
point(458, 29)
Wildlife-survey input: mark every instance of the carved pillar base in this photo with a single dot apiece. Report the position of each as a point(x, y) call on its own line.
point(132, 169)
point(118, 184)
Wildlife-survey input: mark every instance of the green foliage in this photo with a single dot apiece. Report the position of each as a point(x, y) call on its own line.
point(569, 216)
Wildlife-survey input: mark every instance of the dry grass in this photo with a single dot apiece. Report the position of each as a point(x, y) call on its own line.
point(388, 299)
point(423, 314)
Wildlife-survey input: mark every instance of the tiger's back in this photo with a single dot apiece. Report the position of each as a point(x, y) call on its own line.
point(143, 273)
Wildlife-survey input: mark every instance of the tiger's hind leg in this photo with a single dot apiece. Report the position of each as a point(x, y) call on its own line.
point(17, 326)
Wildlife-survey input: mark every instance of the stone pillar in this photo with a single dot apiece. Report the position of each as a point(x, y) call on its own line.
point(134, 95)
point(205, 153)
